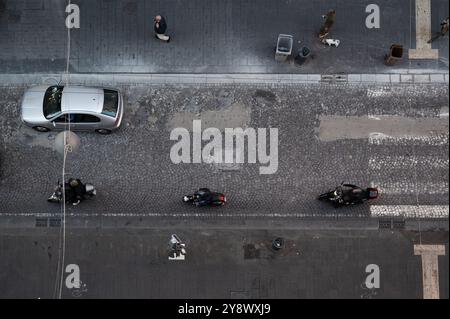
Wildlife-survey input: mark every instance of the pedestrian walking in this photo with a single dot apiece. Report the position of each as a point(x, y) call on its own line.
point(330, 18)
point(444, 26)
point(160, 28)
point(444, 30)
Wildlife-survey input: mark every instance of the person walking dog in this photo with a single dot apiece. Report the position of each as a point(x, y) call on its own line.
point(160, 28)
point(444, 30)
point(329, 18)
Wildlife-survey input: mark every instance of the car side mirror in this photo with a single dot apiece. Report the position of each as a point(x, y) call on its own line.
point(54, 124)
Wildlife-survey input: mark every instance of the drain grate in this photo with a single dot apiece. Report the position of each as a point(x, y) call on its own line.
point(398, 223)
point(326, 78)
point(48, 222)
point(341, 78)
point(384, 224)
point(334, 78)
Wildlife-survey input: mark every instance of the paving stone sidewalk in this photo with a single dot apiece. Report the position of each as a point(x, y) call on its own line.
point(217, 36)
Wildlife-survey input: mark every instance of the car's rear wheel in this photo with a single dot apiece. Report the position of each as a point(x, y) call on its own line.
point(103, 131)
point(41, 129)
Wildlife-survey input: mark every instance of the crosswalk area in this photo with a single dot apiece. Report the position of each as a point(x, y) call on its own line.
point(412, 172)
point(410, 211)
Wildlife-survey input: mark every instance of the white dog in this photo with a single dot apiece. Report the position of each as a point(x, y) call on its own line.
point(331, 42)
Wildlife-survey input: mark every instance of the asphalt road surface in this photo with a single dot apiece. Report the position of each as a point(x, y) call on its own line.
point(393, 137)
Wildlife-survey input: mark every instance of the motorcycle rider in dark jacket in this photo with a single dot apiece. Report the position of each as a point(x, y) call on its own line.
point(202, 197)
point(349, 194)
point(75, 191)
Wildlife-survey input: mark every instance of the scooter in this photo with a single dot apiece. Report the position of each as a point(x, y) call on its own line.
point(57, 196)
point(348, 194)
point(204, 197)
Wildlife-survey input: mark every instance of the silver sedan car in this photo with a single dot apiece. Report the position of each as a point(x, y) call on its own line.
point(83, 108)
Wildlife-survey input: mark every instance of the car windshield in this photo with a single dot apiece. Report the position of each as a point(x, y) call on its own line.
point(52, 101)
point(111, 102)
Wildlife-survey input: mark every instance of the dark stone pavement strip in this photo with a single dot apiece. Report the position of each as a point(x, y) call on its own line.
point(220, 264)
point(134, 175)
point(216, 36)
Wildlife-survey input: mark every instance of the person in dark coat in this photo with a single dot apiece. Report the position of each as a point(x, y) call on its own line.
point(160, 28)
point(75, 191)
point(330, 18)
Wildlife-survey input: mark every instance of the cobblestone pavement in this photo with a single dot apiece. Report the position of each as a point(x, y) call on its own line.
point(134, 174)
point(230, 264)
point(215, 36)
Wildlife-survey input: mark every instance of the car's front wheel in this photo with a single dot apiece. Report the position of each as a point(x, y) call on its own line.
point(103, 131)
point(41, 129)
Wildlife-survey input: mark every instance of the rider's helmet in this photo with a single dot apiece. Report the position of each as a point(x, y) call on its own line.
point(73, 182)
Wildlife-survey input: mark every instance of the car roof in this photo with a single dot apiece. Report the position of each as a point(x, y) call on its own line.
point(82, 99)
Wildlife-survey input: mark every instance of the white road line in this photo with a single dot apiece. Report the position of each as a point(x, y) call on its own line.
point(434, 211)
point(410, 211)
point(379, 92)
point(384, 139)
point(430, 268)
point(444, 112)
point(380, 162)
point(411, 188)
point(423, 32)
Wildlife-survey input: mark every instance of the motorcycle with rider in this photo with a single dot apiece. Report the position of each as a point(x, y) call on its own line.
point(349, 194)
point(205, 197)
point(74, 192)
